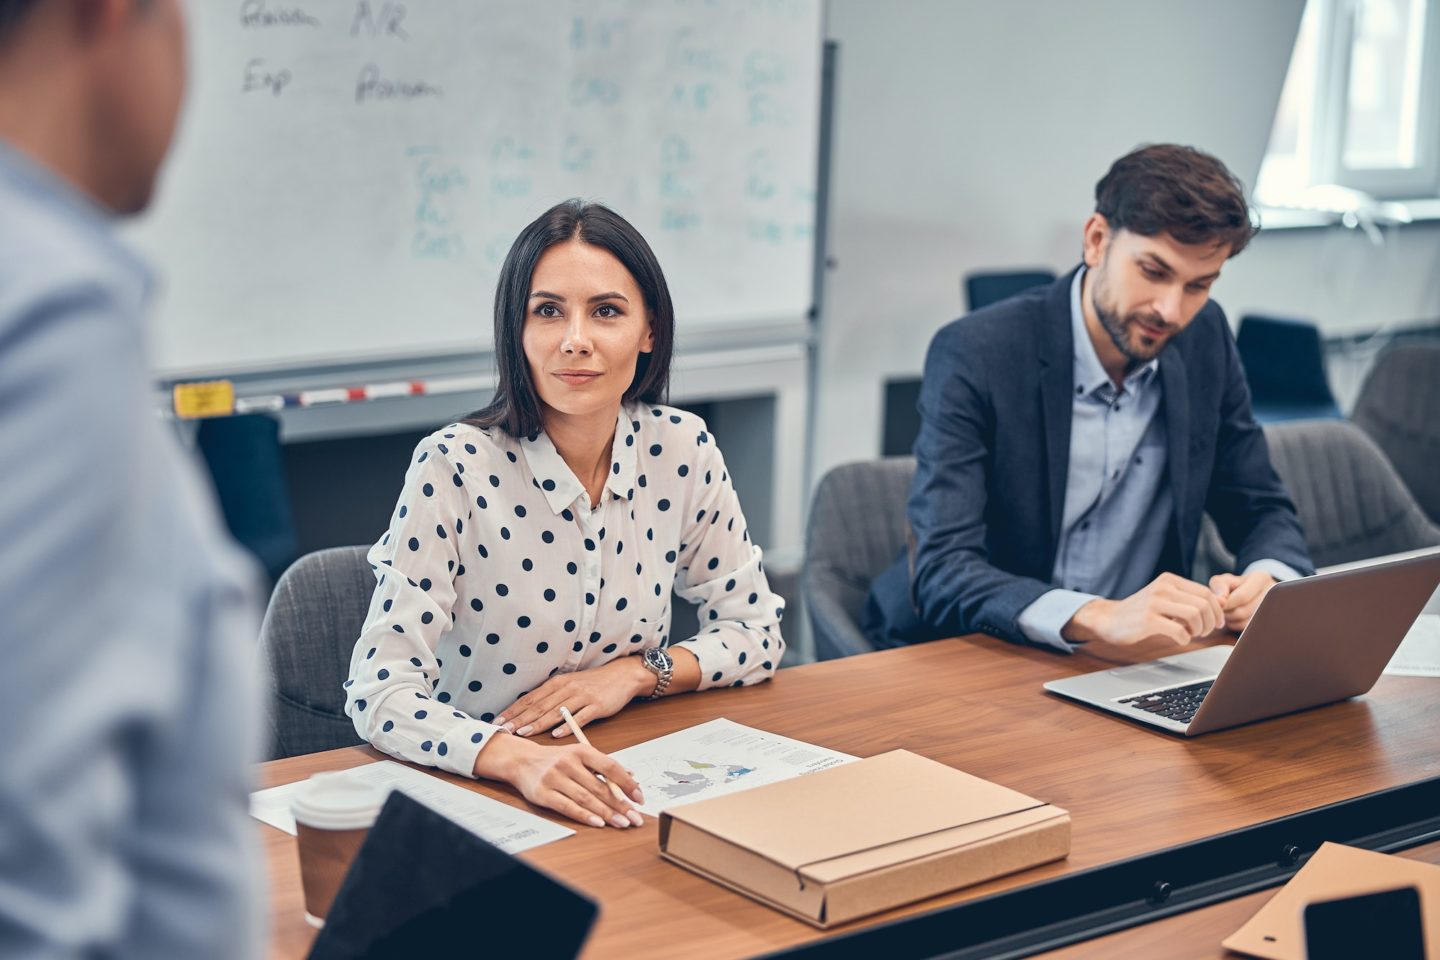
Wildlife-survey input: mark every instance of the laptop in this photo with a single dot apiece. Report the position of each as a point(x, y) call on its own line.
point(1312, 641)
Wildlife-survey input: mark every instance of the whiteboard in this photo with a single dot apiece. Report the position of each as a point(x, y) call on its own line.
point(349, 174)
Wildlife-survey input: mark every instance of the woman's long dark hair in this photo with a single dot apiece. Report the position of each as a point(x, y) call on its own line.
point(515, 407)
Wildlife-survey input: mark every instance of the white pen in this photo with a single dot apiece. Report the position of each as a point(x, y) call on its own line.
point(580, 736)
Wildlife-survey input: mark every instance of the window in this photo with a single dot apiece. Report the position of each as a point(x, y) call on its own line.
point(1359, 115)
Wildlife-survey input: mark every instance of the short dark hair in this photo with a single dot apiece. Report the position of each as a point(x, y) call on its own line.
point(1167, 188)
point(12, 12)
point(516, 406)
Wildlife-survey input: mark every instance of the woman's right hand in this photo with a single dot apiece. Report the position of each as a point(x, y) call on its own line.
point(563, 779)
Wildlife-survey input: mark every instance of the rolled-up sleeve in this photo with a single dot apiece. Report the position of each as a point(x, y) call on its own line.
point(394, 671)
point(721, 569)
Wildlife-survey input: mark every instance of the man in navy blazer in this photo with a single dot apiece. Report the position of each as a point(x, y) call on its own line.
point(1072, 437)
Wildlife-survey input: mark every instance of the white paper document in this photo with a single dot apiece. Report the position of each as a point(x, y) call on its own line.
point(716, 758)
point(1419, 653)
point(507, 827)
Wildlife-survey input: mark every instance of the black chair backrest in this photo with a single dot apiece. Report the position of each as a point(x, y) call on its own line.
point(987, 287)
point(248, 468)
point(1284, 362)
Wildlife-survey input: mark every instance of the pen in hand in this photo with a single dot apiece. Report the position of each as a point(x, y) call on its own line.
point(581, 738)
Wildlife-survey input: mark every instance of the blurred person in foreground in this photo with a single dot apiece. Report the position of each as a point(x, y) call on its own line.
point(127, 619)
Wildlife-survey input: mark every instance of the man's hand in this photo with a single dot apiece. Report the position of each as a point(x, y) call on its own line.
point(1169, 607)
point(1240, 595)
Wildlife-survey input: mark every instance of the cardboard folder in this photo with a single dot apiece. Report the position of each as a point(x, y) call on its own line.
point(863, 837)
point(1277, 932)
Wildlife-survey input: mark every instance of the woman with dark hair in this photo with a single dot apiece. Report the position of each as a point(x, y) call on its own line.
point(530, 560)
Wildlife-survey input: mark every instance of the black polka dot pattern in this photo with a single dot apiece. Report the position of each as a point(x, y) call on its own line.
point(507, 575)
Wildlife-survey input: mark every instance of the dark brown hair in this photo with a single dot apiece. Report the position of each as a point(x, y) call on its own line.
point(1167, 188)
point(515, 408)
point(12, 12)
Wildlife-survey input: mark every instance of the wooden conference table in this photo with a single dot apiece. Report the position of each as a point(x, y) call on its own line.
point(974, 703)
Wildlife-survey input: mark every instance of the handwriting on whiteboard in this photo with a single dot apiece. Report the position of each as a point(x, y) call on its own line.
point(374, 159)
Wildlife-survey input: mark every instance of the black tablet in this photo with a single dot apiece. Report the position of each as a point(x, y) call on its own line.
point(421, 883)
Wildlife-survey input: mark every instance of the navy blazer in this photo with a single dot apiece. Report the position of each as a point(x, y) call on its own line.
point(993, 459)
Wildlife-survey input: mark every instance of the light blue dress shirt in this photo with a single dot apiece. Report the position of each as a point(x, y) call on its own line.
point(128, 694)
point(1118, 503)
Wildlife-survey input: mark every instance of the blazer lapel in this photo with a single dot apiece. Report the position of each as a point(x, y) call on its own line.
point(1177, 428)
point(1057, 380)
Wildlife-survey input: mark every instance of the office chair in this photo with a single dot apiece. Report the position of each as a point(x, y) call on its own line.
point(247, 466)
point(901, 416)
point(1284, 364)
point(902, 420)
point(856, 529)
point(1351, 503)
point(986, 287)
point(310, 629)
point(1399, 407)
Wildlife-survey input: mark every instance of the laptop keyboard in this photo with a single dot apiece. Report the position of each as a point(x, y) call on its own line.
point(1178, 703)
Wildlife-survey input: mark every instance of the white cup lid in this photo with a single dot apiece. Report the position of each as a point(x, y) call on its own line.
point(337, 801)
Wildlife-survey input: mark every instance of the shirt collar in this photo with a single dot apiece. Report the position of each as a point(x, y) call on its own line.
point(1090, 376)
point(558, 482)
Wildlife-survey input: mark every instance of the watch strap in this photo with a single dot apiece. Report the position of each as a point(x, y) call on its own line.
point(663, 669)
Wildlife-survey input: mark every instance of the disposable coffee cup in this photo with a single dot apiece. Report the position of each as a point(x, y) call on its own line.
point(333, 813)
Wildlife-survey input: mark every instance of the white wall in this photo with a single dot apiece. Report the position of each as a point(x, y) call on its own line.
point(970, 134)
point(1338, 278)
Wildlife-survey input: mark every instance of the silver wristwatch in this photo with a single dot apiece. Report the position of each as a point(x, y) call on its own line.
point(659, 662)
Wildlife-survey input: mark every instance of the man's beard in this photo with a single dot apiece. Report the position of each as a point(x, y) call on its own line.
point(1135, 347)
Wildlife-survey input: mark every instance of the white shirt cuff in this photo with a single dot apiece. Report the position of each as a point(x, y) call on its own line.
point(1280, 571)
point(1042, 621)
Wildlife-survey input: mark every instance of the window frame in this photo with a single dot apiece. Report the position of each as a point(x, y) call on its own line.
point(1335, 40)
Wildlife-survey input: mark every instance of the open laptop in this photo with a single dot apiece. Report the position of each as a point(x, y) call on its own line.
point(1311, 642)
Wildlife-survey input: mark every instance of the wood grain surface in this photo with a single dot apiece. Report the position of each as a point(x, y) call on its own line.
point(976, 704)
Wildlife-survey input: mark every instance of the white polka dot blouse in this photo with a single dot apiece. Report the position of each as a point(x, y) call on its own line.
point(495, 574)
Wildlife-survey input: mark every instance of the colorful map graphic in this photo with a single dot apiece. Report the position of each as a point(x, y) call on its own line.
point(684, 778)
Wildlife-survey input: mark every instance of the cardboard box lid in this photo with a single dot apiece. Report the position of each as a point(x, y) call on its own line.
point(869, 805)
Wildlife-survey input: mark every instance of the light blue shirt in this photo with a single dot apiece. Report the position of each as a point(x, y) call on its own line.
point(128, 694)
point(1118, 502)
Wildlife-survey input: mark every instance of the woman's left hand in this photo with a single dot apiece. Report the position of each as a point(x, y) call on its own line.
point(589, 695)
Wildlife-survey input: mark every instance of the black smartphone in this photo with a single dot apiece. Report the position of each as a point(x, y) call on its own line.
point(1385, 924)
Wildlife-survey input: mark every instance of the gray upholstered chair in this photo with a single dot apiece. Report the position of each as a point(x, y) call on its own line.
point(310, 629)
point(857, 526)
point(1351, 503)
point(1399, 407)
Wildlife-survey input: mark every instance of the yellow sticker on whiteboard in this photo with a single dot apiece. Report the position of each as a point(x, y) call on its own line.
point(215, 398)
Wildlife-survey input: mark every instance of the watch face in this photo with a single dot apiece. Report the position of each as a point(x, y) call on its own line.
point(658, 658)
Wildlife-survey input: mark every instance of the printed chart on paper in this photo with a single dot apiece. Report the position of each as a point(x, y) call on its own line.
point(717, 758)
